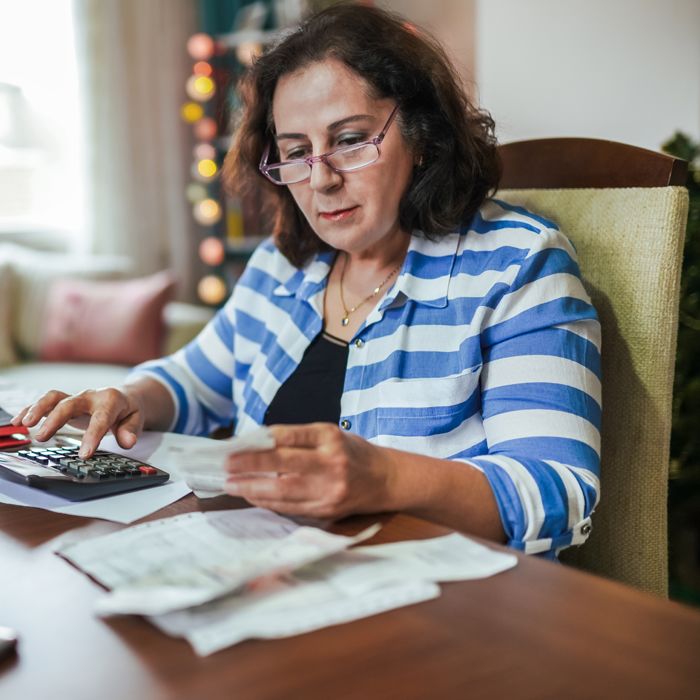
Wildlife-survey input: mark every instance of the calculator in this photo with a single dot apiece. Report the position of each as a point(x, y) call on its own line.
point(60, 471)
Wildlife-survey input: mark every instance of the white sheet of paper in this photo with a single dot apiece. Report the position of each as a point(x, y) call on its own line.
point(200, 461)
point(449, 558)
point(121, 508)
point(347, 586)
point(282, 608)
point(190, 559)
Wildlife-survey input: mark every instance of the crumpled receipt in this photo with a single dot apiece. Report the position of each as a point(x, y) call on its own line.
point(204, 469)
point(194, 558)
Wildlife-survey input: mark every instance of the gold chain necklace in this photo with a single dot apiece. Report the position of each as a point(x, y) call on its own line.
point(346, 319)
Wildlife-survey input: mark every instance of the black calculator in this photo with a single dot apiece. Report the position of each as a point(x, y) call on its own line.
point(60, 471)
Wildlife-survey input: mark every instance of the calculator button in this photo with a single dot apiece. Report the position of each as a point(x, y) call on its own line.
point(41, 459)
point(99, 474)
point(147, 470)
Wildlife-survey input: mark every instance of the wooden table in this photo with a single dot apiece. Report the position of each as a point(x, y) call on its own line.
point(540, 630)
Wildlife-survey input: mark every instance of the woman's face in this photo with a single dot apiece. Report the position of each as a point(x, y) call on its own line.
point(325, 106)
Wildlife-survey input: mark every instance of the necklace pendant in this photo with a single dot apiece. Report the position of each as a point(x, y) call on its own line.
point(345, 320)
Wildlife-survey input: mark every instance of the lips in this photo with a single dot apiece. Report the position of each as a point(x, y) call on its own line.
point(338, 214)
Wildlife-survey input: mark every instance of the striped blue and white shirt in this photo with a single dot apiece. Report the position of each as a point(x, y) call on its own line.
point(486, 350)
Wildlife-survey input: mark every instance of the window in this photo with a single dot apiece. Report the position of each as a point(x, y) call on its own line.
point(41, 186)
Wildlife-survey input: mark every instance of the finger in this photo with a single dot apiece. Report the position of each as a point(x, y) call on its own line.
point(286, 487)
point(282, 460)
point(17, 418)
point(128, 429)
point(68, 407)
point(308, 435)
point(36, 411)
point(101, 423)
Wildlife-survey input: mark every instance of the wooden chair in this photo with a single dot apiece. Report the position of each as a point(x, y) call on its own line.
point(625, 210)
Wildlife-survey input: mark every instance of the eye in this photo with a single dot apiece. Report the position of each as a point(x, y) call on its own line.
point(351, 139)
point(296, 153)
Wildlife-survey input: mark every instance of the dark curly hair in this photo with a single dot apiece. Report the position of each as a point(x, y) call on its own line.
point(455, 141)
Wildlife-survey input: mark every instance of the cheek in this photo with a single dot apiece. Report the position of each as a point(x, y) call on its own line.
point(302, 198)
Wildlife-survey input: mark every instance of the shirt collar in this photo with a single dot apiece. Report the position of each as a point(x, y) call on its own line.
point(424, 276)
point(308, 280)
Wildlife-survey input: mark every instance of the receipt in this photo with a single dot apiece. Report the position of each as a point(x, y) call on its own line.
point(204, 469)
point(191, 559)
point(449, 558)
point(348, 586)
point(285, 607)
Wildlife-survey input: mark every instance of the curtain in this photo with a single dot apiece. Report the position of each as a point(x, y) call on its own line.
point(133, 65)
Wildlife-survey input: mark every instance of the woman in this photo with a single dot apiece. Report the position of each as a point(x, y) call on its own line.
point(415, 345)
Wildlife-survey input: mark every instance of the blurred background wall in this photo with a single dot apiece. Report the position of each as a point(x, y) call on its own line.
point(627, 70)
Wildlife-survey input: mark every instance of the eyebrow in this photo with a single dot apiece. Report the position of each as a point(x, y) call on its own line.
point(331, 127)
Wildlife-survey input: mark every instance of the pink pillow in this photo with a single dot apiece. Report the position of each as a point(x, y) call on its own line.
point(105, 321)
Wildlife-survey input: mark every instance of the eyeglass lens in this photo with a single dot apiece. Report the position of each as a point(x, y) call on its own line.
point(343, 160)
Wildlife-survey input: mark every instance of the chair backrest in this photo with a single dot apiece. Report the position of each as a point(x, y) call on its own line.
point(625, 210)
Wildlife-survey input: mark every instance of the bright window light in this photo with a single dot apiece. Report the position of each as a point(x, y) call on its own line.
point(41, 181)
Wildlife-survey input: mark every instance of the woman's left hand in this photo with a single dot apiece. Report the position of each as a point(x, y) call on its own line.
point(322, 472)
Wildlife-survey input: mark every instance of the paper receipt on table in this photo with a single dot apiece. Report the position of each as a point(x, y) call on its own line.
point(190, 559)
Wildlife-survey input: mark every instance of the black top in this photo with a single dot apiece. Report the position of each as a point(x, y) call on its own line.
point(312, 392)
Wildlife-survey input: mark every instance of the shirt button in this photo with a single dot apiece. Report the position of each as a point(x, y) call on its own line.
point(585, 529)
point(345, 424)
point(359, 343)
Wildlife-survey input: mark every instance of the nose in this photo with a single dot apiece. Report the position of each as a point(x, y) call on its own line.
point(323, 177)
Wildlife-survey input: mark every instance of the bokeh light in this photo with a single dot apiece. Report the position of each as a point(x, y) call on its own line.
point(204, 151)
point(207, 212)
point(191, 112)
point(205, 129)
point(200, 87)
point(205, 169)
point(200, 46)
point(211, 251)
point(211, 289)
point(202, 68)
point(195, 192)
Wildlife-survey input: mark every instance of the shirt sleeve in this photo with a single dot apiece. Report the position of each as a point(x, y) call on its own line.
point(199, 377)
point(541, 400)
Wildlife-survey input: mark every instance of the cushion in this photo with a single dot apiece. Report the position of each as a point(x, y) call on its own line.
point(7, 351)
point(33, 274)
point(119, 322)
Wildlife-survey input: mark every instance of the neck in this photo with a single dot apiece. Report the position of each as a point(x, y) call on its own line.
point(374, 261)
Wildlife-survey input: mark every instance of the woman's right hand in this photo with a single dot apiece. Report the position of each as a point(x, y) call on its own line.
point(96, 410)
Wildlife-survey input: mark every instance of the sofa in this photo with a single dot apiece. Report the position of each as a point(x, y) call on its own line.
point(72, 322)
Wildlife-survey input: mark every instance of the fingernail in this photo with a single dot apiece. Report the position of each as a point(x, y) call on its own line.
point(41, 435)
point(83, 452)
point(232, 487)
point(28, 418)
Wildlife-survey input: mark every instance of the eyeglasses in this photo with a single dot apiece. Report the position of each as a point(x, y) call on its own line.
point(341, 160)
